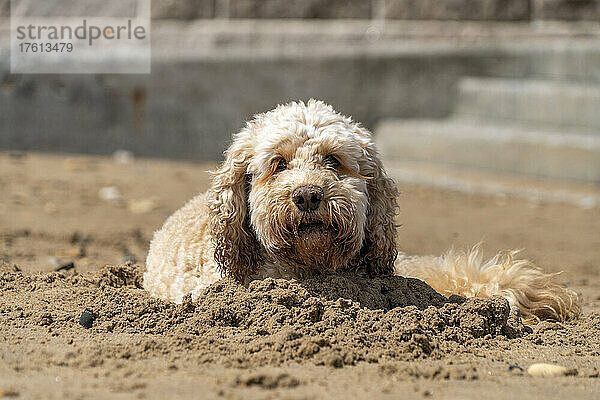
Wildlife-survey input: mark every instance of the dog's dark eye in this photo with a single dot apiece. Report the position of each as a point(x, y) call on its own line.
point(280, 165)
point(331, 162)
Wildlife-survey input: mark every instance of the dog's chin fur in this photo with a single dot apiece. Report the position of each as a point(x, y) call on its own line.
point(248, 227)
point(316, 247)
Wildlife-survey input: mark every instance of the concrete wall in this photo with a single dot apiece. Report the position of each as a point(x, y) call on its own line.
point(569, 10)
point(183, 9)
point(224, 71)
point(206, 82)
point(480, 10)
point(189, 108)
point(300, 9)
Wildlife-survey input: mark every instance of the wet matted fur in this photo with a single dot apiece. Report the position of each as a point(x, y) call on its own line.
point(249, 226)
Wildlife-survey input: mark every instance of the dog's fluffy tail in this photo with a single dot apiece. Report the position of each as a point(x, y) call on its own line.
point(524, 285)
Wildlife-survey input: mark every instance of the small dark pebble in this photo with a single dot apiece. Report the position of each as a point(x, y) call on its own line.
point(45, 319)
point(9, 393)
point(75, 238)
point(17, 155)
point(87, 319)
point(66, 267)
point(335, 361)
point(515, 367)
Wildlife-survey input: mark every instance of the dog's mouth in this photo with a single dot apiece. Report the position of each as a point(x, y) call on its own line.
point(311, 226)
point(314, 244)
point(316, 227)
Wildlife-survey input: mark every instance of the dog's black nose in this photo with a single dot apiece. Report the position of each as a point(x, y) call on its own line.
point(307, 198)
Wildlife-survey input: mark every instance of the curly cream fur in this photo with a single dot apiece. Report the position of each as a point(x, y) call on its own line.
point(467, 274)
point(248, 227)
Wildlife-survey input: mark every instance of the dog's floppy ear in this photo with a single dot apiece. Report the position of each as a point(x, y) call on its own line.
point(379, 251)
point(237, 252)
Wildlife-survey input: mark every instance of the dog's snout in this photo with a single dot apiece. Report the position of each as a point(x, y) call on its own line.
point(307, 198)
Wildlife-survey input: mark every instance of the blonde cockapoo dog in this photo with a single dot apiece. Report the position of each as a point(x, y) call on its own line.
point(302, 189)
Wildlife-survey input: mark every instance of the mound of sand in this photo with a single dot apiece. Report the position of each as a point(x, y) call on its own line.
point(332, 320)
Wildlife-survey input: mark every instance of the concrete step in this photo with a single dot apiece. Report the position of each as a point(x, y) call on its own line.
point(502, 186)
point(542, 102)
point(514, 149)
point(568, 60)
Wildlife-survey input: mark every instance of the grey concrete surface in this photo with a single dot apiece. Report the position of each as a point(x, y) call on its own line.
point(567, 60)
point(379, 37)
point(571, 10)
point(209, 77)
point(464, 10)
point(542, 102)
point(189, 108)
point(67, 8)
point(492, 10)
point(483, 146)
point(183, 9)
point(496, 183)
point(543, 122)
point(4, 8)
point(300, 9)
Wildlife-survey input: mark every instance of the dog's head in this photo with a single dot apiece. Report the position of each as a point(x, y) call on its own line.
point(303, 186)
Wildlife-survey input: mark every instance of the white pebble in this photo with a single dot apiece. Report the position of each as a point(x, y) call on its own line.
point(542, 369)
point(110, 193)
point(141, 206)
point(123, 157)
